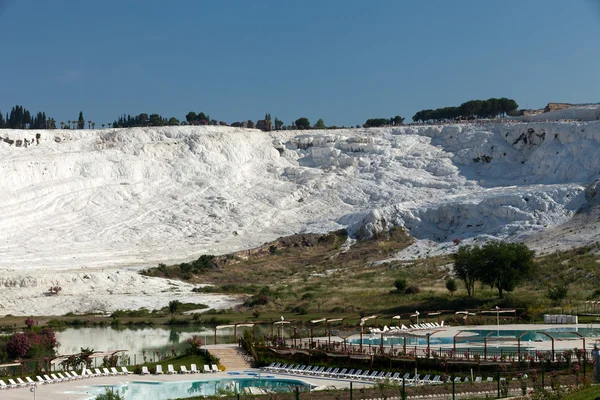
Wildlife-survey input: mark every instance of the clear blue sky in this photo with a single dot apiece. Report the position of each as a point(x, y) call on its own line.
point(340, 60)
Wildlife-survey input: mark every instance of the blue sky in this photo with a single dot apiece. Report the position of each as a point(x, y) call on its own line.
point(340, 60)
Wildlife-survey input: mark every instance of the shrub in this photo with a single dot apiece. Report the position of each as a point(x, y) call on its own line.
point(300, 310)
point(196, 344)
point(18, 345)
point(451, 285)
point(400, 285)
point(412, 290)
point(558, 293)
point(110, 394)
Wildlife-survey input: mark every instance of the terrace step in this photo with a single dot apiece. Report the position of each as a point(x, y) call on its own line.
point(231, 356)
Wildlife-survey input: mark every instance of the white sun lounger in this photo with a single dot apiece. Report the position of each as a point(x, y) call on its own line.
point(125, 370)
point(145, 370)
point(193, 369)
point(214, 368)
point(170, 369)
point(159, 370)
point(13, 383)
point(206, 368)
point(62, 377)
point(22, 383)
point(184, 370)
point(30, 381)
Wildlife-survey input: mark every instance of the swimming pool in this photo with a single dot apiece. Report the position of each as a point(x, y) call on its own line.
point(476, 336)
point(182, 389)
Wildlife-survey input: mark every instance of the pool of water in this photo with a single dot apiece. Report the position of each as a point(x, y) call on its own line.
point(173, 390)
point(476, 337)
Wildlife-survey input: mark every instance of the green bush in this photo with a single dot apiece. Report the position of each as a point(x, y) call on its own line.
point(400, 285)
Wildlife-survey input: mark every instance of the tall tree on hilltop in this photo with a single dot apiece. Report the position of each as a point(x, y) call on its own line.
point(278, 124)
point(302, 123)
point(81, 121)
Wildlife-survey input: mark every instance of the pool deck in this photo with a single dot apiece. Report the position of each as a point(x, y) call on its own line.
point(450, 331)
point(76, 390)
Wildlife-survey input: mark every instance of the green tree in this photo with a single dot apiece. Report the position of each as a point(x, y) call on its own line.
point(468, 261)
point(191, 116)
point(320, 124)
point(506, 265)
point(278, 123)
point(173, 121)
point(397, 120)
point(302, 123)
point(558, 293)
point(451, 285)
point(174, 306)
point(80, 121)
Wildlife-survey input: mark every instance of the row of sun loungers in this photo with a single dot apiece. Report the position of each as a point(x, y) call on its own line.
point(183, 369)
point(344, 373)
point(392, 329)
point(61, 377)
point(336, 373)
point(88, 373)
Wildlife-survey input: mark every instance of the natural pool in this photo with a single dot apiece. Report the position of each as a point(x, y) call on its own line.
point(183, 389)
point(139, 342)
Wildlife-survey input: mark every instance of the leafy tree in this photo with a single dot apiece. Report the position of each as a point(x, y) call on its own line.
point(89, 124)
point(468, 261)
point(191, 116)
point(302, 123)
point(397, 120)
point(558, 293)
point(376, 122)
point(506, 265)
point(173, 121)
point(278, 123)
point(320, 124)
point(157, 120)
point(451, 285)
point(80, 121)
point(267, 117)
point(174, 306)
